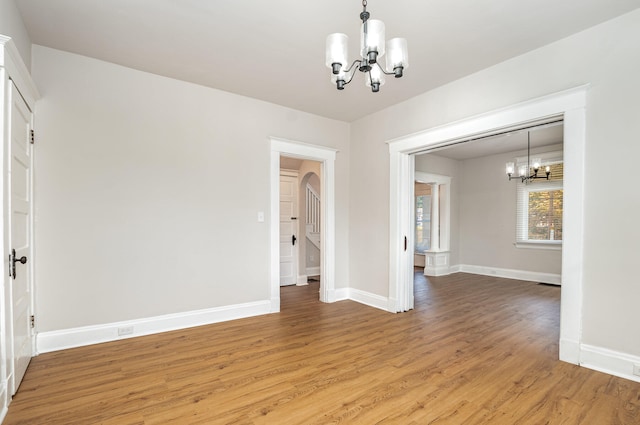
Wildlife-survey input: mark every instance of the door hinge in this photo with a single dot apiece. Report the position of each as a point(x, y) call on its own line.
point(33, 136)
point(33, 321)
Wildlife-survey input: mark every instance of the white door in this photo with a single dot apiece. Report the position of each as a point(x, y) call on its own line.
point(288, 230)
point(20, 239)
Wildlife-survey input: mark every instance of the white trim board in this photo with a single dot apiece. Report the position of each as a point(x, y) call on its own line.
point(313, 271)
point(88, 335)
point(551, 278)
point(4, 411)
point(609, 361)
point(17, 71)
point(362, 297)
point(367, 298)
point(569, 105)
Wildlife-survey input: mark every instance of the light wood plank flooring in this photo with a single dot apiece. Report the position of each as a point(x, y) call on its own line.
point(476, 350)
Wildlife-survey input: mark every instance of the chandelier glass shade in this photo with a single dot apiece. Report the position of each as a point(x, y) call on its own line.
point(372, 49)
point(525, 172)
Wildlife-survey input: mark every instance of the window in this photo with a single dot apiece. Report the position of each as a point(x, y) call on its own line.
point(432, 213)
point(423, 223)
point(539, 210)
point(545, 215)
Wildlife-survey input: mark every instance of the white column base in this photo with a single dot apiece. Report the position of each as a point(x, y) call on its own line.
point(436, 263)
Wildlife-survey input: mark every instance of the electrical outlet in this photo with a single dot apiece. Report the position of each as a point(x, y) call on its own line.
point(636, 369)
point(125, 330)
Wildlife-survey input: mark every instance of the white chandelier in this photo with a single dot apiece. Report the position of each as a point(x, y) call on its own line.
point(372, 48)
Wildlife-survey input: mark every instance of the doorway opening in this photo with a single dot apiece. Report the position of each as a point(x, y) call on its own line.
point(568, 106)
point(432, 217)
point(505, 225)
point(300, 221)
point(325, 157)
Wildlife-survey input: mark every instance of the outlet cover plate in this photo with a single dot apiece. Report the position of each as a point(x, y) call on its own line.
point(126, 330)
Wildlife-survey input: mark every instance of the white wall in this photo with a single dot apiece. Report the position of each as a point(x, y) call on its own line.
point(142, 201)
point(11, 25)
point(607, 58)
point(488, 218)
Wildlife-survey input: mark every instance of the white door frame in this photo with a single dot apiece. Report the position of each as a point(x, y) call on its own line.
point(569, 105)
point(326, 156)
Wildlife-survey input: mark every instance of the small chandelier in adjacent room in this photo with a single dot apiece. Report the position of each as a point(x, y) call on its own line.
point(524, 170)
point(372, 48)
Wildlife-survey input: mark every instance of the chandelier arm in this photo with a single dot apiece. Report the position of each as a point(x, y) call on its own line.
point(383, 71)
point(351, 71)
point(351, 77)
point(351, 67)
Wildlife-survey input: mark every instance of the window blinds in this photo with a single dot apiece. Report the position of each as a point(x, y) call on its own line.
point(540, 206)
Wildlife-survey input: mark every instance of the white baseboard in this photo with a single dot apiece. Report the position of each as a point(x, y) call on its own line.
point(302, 280)
point(313, 271)
point(569, 351)
point(362, 297)
point(437, 271)
point(87, 335)
point(275, 305)
point(609, 361)
point(341, 294)
point(455, 269)
point(369, 299)
point(551, 278)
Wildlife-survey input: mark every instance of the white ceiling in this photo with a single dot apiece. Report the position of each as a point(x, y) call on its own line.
point(274, 50)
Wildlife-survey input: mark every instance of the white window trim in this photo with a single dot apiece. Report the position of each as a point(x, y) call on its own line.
point(550, 245)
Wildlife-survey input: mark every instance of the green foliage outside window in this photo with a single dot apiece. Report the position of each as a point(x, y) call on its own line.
point(545, 215)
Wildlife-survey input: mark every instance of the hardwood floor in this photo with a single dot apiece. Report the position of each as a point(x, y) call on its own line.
point(476, 350)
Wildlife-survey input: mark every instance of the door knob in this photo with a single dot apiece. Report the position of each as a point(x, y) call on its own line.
point(14, 260)
point(293, 239)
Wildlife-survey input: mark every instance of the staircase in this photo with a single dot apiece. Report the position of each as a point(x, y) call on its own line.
point(313, 217)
